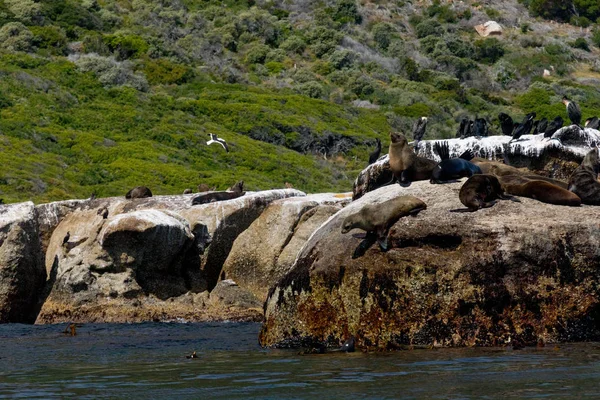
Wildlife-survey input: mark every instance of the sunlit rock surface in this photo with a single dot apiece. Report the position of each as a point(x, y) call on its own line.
point(523, 271)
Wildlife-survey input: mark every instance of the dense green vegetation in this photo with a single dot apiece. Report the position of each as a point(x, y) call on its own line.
point(102, 95)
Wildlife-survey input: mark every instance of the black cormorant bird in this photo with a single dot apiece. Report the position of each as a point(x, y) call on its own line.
point(349, 345)
point(375, 154)
point(553, 127)
point(66, 238)
point(480, 127)
point(419, 129)
point(465, 129)
point(573, 110)
point(524, 127)
point(506, 124)
point(541, 126)
point(592, 123)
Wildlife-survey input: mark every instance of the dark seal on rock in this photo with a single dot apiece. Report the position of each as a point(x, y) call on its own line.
point(138, 192)
point(376, 219)
point(584, 181)
point(540, 190)
point(211, 197)
point(405, 164)
point(481, 191)
point(453, 168)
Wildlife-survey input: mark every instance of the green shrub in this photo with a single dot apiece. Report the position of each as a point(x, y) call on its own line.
point(311, 89)
point(257, 54)
point(14, 36)
point(429, 43)
point(293, 44)
point(443, 12)
point(323, 40)
point(362, 86)
point(346, 11)
point(162, 71)
point(492, 13)
point(274, 67)
point(525, 27)
point(488, 50)
point(383, 34)
point(596, 37)
point(340, 59)
point(50, 37)
point(580, 43)
point(126, 46)
point(428, 27)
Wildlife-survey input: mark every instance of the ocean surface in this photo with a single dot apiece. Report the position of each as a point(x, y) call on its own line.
point(147, 361)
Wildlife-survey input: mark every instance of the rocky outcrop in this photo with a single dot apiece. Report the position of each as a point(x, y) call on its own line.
point(117, 260)
point(555, 158)
point(523, 271)
point(490, 28)
point(22, 272)
point(265, 251)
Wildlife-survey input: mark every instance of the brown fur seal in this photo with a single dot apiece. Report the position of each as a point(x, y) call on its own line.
point(405, 164)
point(584, 181)
point(138, 192)
point(376, 219)
point(212, 197)
point(238, 187)
point(187, 191)
point(540, 190)
point(501, 169)
point(481, 191)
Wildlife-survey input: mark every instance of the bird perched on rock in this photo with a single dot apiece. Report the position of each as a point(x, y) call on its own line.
point(215, 139)
point(66, 238)
point(480, 127)
point(506, 124)
point(419, 129)
point(592, 123)
point(103, 212)
point(375, 154)
point(555, 125)
point(573, 110)
point(540, 126)
point(524, 127)
point(465, 129)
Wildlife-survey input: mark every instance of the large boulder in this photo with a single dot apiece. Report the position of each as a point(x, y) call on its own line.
point(490, 28)
point(265, 251)
point(22, 273)
point(117, 260)
point(523, 271)
point(554, 158)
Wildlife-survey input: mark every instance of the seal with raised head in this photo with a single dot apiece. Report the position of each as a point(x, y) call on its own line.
point(501, 169)
point(453, 168)
point(138, 192)
point(540, 190)
point(377, 219)
point(584, 181)
point(481, 191)
point(405, 164)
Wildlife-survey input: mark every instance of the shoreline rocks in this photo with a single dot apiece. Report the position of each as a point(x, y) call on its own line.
point(523, 271)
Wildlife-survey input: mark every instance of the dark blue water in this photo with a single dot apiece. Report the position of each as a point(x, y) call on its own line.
point(146, 361)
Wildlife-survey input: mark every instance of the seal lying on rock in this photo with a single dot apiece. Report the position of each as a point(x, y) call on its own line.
point(481, 191)
point(138, 192)
point(584, 181)
point(405, 164)
point(377, 219)
point(453, 168)
point(211, 197)
point(501, 169)
point(543, 191)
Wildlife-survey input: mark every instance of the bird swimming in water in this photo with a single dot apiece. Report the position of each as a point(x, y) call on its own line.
point(70, 330)
point(215, 139)
point(375, 154)
point(506, 124)
point(419, 129)
point(524, 127)
point(592, 123)
point(193, 355)
point(555, 125)
point(348, 345)
point(573, 110)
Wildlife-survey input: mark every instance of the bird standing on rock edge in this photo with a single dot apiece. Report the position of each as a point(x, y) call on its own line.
point(375, 154)
point(215, 139)
point(573, 110)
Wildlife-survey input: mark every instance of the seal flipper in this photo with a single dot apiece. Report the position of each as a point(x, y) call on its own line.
point(361, 249)
point(382, 238)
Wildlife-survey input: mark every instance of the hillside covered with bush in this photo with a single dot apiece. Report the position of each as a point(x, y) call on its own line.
point(98, 96)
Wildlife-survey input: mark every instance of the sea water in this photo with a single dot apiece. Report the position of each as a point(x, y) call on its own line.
point(147, 361)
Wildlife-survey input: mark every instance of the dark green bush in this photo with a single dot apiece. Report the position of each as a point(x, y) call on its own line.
point(580, 43)
point(126, 46)
point(346, 11)
point(383, 34)
point(488, 50)
point(428, 27)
